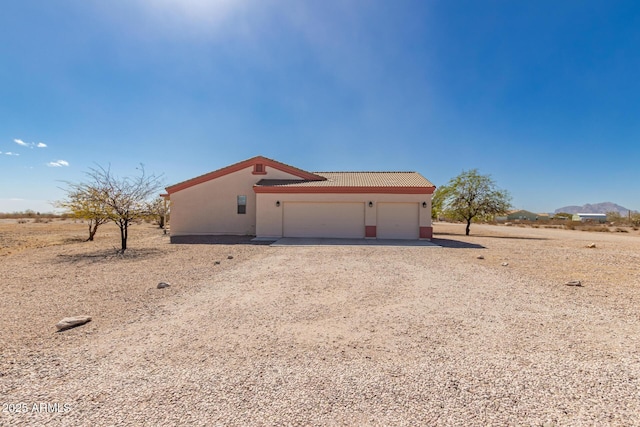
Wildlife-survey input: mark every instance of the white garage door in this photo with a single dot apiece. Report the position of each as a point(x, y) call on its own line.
point(398, 221)
point(341, 220)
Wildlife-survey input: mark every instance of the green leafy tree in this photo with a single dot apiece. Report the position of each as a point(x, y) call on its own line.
point(157, 211)
point(85, 202)
point(469, 196)
point(438, 202)
point(563, 216)
point(615, 217)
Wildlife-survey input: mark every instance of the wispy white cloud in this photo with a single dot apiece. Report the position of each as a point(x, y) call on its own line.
point(29, 144)
point(9, 153)
point(58, 164)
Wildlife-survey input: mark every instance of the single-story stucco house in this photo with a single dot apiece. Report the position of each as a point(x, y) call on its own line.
point(268, 199)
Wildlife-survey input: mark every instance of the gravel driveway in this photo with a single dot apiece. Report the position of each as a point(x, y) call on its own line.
point(327, 335)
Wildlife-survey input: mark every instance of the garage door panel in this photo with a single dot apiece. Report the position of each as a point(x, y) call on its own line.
point(398, 221)
point(336, 220)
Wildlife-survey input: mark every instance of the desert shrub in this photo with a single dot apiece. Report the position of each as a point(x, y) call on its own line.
point(596, 229)
point(621, 230)
point(22, 221)
point(27, 214)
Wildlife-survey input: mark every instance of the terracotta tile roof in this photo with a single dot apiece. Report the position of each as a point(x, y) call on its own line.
point(354, 179)
point(396, 182)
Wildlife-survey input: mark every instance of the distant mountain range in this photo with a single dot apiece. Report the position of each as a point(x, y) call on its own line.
point(595, 208)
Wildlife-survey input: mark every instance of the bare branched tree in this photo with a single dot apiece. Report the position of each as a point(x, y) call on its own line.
point(121, 200)
point(126, 198)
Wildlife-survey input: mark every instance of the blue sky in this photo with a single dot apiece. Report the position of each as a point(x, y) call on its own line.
point(542, 95)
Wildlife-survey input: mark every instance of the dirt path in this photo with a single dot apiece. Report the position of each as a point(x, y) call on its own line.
point(332, 335)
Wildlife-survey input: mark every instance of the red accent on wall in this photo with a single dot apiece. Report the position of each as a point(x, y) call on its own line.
point(259, 169)
point(369, 231)
point(426, 232)
point(377, 190)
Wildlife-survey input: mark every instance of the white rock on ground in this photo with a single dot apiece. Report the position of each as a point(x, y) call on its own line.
point(70, 322)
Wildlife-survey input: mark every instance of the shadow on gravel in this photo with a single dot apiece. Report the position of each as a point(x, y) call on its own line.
point(70, 240)
point(494, 237)
point(457, 244)
point(310, 241)
point(452, 243)
point(109, 254)
point(218, 240)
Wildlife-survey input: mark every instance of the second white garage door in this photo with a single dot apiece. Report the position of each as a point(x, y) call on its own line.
point(398, 221)
point(338, 220)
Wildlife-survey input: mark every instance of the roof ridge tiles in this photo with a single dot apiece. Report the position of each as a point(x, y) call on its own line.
point(364, 172)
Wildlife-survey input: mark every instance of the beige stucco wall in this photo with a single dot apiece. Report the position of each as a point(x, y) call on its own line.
point(211, 207)
point(270, 221)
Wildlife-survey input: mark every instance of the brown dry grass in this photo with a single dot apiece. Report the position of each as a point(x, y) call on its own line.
point(19, 234)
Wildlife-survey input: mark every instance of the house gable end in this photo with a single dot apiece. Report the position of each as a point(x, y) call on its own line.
point(259, 165)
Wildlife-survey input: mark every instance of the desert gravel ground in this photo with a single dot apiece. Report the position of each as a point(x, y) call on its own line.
point(324, 335)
